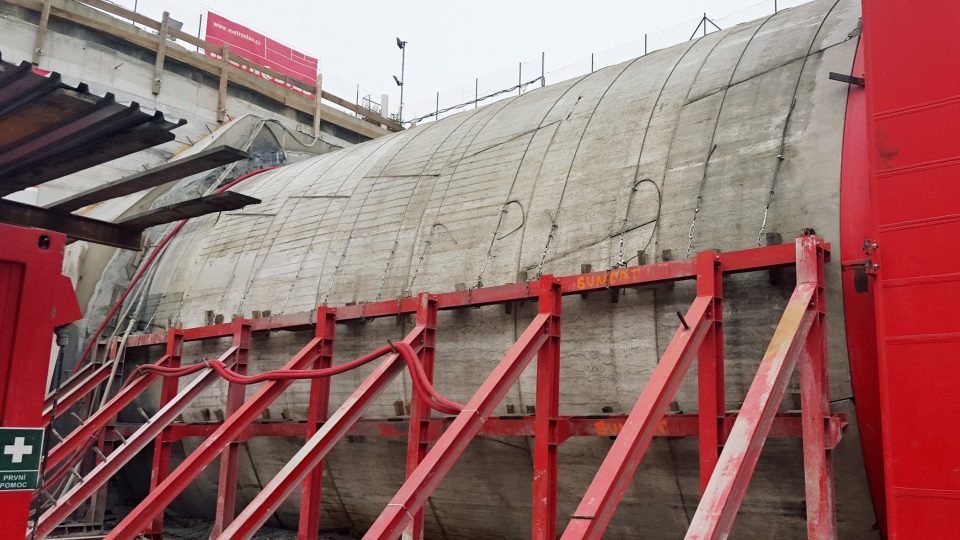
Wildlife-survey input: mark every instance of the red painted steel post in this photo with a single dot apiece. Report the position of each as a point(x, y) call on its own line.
point(602, 497)
point(418, 440)
point(311, 496)
point(415, 491)
point(546, 438)
point(229, 459)
point(720, 502)
point(815, 404)
point(712, 402)
point(163, 446)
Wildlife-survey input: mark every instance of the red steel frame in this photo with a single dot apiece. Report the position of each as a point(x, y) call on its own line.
point(801, 335)
point(34, 300)
point(435, 443)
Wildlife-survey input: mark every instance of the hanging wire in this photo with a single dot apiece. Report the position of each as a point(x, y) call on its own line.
point(626, 219)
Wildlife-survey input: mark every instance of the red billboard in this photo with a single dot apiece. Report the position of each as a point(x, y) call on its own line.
point(258, 48)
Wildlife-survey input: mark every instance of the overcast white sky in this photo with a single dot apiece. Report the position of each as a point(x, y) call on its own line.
point(451, 42)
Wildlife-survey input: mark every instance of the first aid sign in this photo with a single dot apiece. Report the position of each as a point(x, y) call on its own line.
point(20, 452)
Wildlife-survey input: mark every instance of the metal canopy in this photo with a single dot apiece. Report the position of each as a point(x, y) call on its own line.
point(49, 129)
point(168, 172)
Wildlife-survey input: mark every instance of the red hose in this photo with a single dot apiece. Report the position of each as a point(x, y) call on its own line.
point(143, 268)
point(421, 384)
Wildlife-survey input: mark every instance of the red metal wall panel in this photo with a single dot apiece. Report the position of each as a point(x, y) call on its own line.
point(913, 99)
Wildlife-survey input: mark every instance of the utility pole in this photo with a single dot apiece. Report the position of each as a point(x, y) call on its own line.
point(403, 63)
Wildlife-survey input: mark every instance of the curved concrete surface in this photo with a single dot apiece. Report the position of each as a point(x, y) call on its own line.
point(709, 144)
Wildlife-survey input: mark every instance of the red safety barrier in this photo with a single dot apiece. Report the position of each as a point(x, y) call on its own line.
point(435, 443)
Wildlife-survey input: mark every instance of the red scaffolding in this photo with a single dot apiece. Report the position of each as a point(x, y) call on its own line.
point(436, 442)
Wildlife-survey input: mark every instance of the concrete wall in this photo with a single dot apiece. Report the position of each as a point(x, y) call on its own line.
point(692, 146)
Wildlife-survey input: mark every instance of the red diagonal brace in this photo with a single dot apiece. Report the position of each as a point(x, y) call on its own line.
point(721, 500)
point(158, 499)
point(440, 459)
point(317, 447)
point(418, 441)
point(602, 497)
point(80, 385)
point(317, 412)
point(97, 421)
point(100, 474)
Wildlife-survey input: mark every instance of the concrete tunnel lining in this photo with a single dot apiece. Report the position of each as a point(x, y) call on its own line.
point(705, 121)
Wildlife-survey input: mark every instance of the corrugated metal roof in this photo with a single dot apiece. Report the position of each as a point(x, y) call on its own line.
point(49, 129)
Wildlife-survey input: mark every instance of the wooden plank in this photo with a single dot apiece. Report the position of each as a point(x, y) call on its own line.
point(161, 52)
point(201, 206)
point(168, 172)
point(85, 157)
point(41, 32)
point(76, 227)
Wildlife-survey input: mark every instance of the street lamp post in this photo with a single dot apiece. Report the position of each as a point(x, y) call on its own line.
point(403, 63)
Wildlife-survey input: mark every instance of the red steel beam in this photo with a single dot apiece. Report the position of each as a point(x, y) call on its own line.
point(546, 435)
point(229, 459)
point(318, 446)
point(96, 478)
point(97, 421)
point(90, 377)
point(732, 262)
point(720, 502)
point(191, 467)
point(710, 386)
point(317, 411)
point(164, 445)
point(419, 439)
point(440, 459)
point(786, 425)
point(602, 497)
